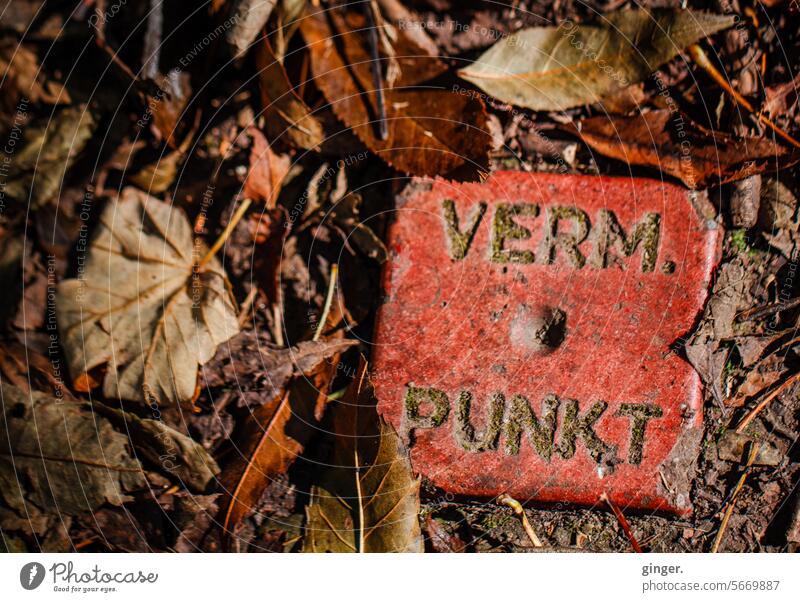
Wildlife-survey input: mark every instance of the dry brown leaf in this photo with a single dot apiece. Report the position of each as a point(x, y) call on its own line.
point(556, 68)
point(402, 18)
point(276, 432)
point(286, 115)
point(267, 170)
point(25, 368)
point(168, 105)
point(23, 78)
point(779, 99)
point(443, 536)
point(248, 19)
point(51, 145)
point(368, 500)
point(672, 143)
point(166, 449)
point(754, 383)
point(625, 101)
point(778, 218)
point(48, 445)
point(431, 129)
point(141, 310)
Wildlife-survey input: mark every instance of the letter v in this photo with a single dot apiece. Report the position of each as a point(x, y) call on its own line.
point(460, 241)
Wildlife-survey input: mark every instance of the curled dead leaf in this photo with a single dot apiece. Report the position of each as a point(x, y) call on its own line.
point(24, 80)
point(164, 448)
point(50, 146)
point(672, 143)
point(432, 130)
point(247, 20)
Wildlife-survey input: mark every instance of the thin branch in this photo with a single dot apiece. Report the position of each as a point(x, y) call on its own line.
point(623, 522)
point(729, 509)
point(763, 311)
point(699, 57)
point(509, 501)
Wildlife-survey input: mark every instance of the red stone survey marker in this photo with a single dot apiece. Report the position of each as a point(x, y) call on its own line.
point(524, 345)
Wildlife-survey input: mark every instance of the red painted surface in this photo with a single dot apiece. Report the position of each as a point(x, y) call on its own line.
point(465, 325)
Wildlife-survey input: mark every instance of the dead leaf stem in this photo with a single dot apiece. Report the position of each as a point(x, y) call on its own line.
point(225, 234)
point(328, 302)
point(247, 305)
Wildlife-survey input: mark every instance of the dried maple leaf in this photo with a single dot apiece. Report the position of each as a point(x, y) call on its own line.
point(368, 501)
point(431, 129)
point(672, 143)
point(142, 309)
point(555, 68)
point(276, 432)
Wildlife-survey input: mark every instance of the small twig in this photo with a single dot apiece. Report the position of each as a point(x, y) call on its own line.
point(623, 522)
point(509, 501)
point(328, 302)
point(86, 542)
point(763, 311)
point(699, 57)
point(375, 64)
point(247, 304)
point(225, 234)
point(729, 509)
point(103, 45)
point(277, 320)
point(766, 401)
